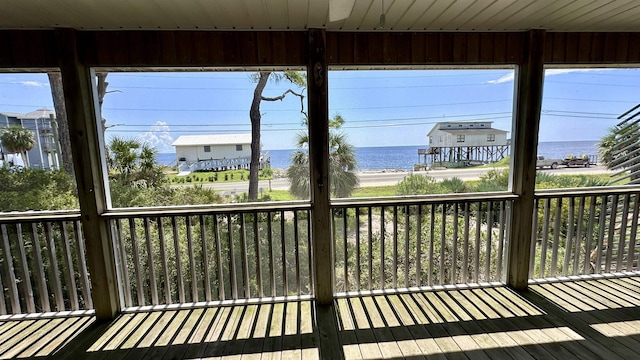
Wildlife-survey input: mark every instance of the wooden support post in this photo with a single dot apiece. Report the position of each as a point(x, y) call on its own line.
point(319, 166)
point(87, 147)
point(526, 122)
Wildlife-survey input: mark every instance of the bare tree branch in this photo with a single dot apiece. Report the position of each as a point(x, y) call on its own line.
point(284, 94)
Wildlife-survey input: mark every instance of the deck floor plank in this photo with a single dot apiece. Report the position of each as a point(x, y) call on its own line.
point(272, 349)
point(402, 336)
point(527, 331)
point(426, 343)
point(369, 347)
point(347, 329)
point(580, 321)
point(566, 320)
point(432, 323)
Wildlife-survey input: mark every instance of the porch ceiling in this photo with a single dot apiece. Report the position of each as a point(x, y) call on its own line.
point(349, 15)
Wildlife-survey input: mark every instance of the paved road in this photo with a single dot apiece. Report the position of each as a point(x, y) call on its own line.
point(391, 178)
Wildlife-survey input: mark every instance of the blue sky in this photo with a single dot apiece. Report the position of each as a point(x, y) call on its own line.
point(381, 108)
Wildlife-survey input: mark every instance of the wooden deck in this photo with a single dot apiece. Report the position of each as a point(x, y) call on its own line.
point(588, 319)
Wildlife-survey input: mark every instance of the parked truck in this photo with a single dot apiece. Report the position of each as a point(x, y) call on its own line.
point(542, 162)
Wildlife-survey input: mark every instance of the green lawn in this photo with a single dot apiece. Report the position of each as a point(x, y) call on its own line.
point(211, 177)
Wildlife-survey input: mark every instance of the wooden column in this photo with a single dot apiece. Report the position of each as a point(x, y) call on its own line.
point(524, 141)
point(87, 147)
point(319, 166)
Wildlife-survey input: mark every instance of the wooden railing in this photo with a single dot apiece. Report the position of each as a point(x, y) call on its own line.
point(214, 254)
point(395, 243)
point(42, 261)
point(585, 231)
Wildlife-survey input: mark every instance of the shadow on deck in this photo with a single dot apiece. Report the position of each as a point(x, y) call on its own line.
point(586, 319)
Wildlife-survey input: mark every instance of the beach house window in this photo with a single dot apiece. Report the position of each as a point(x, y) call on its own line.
point(239, 147)
point(460, 138)
point(491, 137)
point(430, 139)
point(207, 148)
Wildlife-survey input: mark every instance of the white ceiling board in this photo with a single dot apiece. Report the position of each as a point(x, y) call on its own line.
point(408, 15)
point(318, 14)
point(298, 13)
point(414, 12)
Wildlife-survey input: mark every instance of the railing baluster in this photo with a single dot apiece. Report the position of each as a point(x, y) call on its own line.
point(256, 240)
point(12, 285)
point(590, 229)
point(309, 252)
point(82, 263)
point(624, 218)
point(501, 238)
point(611, 234)
point(176, 247)
point(579, 232)
point(218, 250)
point(569, 236)
point(432, 236)
point(164, 261)
point(283, 248)
point(454, 245)
point(443, 242)
point(296, 239)
point(545, 237)
point(272, 273)
point(69, 274)
point(556, 236)
point(370, 245)
point(632, 239)
point(245, 259)
point(344, 249)
point(192, 259)
point(357, 229)
point(24, 271)
point(394, 260)
point(487, 266)
point(383, 283)
point(41, 282)
point(465, 260)
point(419, 246)
point(232, 259)
point(150, 262)
point(136, 262)
point(407, 231)
point(205, 259)
point(124, 263)
point(3, 305)
point(476, 255)
point(601, 232)
point(53, 267)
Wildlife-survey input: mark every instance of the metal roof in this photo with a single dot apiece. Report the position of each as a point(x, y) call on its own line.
point(349, 15)
point(42, 113)
point(212, 139)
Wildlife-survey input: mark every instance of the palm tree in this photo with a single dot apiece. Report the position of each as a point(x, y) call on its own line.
point(342, 163)
point(619, 150)
point(18, 140)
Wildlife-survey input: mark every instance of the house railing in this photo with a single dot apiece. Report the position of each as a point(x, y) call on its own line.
point(399, 243)
point(257, 252)
point(43, 264)
point(585, 231)
point(213, 254)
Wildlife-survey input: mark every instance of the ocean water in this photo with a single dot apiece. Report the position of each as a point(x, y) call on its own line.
point(404, 157)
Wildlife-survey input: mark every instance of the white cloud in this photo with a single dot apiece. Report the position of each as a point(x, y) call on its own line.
point(159, 136)
point(503, 79)
point(550, 72)
point(33, 83)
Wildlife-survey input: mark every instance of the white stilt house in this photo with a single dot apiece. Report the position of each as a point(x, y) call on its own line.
point(214, 152)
